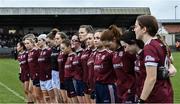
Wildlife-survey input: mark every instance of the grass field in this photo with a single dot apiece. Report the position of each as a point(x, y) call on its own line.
point(11, 90)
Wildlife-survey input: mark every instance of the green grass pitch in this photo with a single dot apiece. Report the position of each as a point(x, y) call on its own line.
point(9, 76)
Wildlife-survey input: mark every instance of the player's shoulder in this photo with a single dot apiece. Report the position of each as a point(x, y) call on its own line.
point(108, 51)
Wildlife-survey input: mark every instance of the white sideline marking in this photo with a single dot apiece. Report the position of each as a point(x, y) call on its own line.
point(14, 92)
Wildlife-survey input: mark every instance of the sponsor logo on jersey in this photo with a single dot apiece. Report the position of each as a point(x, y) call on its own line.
point(60, 60)
point(118, 65)
point(41, 59)
point(67, 66)
point(149, 58)
point(75, 62)
point(90, 62)
point(84, 56)
point(22, 62)
point(30, 59)
point(98, 67)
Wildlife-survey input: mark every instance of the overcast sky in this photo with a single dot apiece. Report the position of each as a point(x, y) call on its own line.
point(162, 9)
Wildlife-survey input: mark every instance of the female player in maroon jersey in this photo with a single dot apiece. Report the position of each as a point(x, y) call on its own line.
point(24, 71)
point(44, 61)
point(104, 72)
point(123, 64)
point(83, 31)
point(69, 70)
point(78, 69)
point(59, 37)
point(90, 64)
point(134, 46)
point(62, 57)
point(157, 86)
point(33, 54)
point(54, 63)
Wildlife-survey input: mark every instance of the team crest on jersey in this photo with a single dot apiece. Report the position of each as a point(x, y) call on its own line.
point(120, 53)
point(149, 58)
point(21, 57)
point(31, 53)
point(44, 53)
point(71, 58)
point(103, 57)
point(24, 56)
point(98, 57)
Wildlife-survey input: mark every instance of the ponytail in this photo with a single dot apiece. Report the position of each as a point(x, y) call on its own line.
point(117, 32)
point(164, 43)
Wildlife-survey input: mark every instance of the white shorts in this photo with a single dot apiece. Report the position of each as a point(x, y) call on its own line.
point(55, 79)
point(46, 85)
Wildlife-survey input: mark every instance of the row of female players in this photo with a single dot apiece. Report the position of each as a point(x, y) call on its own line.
point(105, 66)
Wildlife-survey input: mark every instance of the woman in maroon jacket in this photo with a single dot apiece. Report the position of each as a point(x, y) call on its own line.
point(24, 70)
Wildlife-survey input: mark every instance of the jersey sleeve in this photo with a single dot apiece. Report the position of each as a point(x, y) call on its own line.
point(150, 56)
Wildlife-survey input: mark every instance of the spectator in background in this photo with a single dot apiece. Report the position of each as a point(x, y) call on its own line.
point(14, 53)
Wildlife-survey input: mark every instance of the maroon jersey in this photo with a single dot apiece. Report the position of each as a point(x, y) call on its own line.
point(123, 64)
point(33, 63)
point(24, 68)
point(61, 63)
point(68, 68)
point(140, 72)
point(84, 59)
point(103, 67)
point(45, 64)
point(155, 55)
point(90, 65)
point(78, 73)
